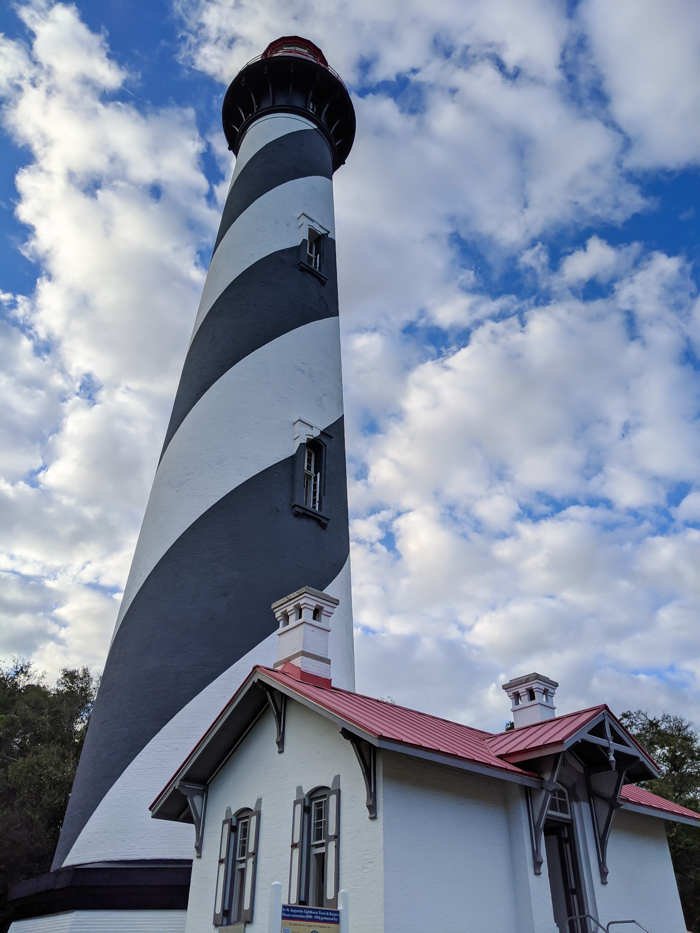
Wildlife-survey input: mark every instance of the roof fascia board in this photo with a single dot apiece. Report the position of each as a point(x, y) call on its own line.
point(243, 735)
point(201, 745)
point(462, 763)
point(530, 753)
point(660, 814)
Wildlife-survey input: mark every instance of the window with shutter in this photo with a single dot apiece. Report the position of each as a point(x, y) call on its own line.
point(296, 864)
point(313, 876)
point(235, 881)
point(222, 872)
point(332, 838)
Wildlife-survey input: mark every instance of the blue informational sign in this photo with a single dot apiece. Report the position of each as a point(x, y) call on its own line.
point(309, 919)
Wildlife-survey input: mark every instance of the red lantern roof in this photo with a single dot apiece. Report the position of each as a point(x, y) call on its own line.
point(295, 47)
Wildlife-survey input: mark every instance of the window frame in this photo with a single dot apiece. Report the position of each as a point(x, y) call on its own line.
point(308, 853)
point(235, 876)
point(314, 260)
point(318, 444)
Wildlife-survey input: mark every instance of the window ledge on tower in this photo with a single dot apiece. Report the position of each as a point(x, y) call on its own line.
point(305, 267)
point(299, 509)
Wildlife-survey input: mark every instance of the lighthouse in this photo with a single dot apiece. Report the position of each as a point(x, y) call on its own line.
point(249, 500)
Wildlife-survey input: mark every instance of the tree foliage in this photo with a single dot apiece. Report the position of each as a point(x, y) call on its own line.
point(674, 743)
point(42, 730)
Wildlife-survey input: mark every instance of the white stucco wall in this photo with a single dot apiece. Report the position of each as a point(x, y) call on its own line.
point(641, 884)
point(447, 851)
point(314, 752)
point(533, 900)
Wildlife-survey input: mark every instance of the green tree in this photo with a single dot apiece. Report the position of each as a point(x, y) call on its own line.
point(674, 743)
point(42, 730)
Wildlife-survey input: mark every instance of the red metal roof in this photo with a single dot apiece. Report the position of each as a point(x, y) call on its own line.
point(644, 798)
point(542, 734)
point(421, 730)
point(400, 724)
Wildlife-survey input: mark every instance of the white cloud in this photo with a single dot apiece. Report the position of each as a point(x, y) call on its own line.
point(649, 56)
point(517, 505)
point(597, 260)
point(115, 202)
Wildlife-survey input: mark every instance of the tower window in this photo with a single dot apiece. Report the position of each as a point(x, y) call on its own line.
point(312, 479)
point(311, 473)
point(311, 257)
point(313, 249)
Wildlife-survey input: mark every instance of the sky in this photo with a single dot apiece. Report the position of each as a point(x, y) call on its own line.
point(518, 250)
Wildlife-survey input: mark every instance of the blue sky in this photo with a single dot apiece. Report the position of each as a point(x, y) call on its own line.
point(518, 261)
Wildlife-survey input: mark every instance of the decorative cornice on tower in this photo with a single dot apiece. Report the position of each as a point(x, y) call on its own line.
point(291, 76)
point(304, 627)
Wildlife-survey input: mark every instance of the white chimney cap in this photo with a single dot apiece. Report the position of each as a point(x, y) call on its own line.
point(531, 699)
point(304, 626)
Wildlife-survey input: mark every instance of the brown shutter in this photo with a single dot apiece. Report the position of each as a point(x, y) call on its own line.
point(222, 872)
point(330, 898)
point(251, 858)
point(297, 867)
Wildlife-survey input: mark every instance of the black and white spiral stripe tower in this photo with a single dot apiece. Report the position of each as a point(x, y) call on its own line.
point(249, 501)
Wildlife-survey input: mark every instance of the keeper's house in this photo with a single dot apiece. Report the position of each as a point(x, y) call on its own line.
point(429, 825)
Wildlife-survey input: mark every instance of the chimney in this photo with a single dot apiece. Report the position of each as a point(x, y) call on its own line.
point(304, 627)
point(531, 699)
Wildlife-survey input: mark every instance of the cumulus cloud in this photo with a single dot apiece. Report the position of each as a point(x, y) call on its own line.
point(524, 467)
point(115, 203)
point(648, 55)
point(527, 484)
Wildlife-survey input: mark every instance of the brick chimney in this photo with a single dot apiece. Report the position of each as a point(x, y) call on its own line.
point(531, 699)
point(304, 627)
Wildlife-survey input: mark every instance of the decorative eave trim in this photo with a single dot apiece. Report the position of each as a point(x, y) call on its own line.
point(660, 814)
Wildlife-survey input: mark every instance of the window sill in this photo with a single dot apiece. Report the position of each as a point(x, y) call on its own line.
point(300, 510)
point(305, 267)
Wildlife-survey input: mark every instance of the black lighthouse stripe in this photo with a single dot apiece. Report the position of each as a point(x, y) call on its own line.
point(296, 155)
point(205, 605)
point(249, 314)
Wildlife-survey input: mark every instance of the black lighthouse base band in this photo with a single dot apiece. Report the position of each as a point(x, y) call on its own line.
point(138, 885)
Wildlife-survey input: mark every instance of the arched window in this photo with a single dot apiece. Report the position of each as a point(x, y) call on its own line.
point(313, 876)
point(235, 880)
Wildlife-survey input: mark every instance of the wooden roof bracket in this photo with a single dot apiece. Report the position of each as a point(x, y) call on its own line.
point(196, 795)
point(603, 806)
point(367, 758)
point(278, 705)
point(537, 806)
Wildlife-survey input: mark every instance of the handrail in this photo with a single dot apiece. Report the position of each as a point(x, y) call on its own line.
point(626, 921)
point(586, 917)
point(605, 929)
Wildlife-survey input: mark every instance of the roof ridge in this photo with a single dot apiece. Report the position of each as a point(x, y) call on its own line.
point(543, 722)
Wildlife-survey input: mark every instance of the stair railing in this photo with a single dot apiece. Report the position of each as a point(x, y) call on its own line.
point(605, 929)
